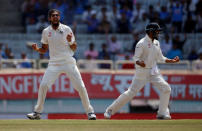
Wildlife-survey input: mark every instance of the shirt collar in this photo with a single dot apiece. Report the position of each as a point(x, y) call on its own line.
point(148, 38)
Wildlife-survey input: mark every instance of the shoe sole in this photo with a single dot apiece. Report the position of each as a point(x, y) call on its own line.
point(94, 118)
point(163, 118)
point(31, 118)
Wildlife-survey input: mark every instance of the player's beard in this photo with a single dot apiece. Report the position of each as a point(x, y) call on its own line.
point(55, 25)
point(155, 36)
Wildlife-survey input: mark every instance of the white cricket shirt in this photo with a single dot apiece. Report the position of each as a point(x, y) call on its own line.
point(149, 52)
point(59, 48)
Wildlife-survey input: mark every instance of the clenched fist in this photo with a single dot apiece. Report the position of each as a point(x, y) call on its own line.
point(140, 63)
point(73, 46)
point(34, 46)
point(176, 59)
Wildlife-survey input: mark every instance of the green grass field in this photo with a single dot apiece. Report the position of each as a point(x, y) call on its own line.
point(101, 125)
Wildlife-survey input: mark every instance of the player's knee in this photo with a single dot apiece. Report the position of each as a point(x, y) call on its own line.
point(167, 89)
point(130, 92)
point(81, 89)
point(44, 85)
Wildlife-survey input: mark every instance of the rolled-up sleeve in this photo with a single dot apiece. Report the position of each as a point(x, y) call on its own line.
point(138, 51)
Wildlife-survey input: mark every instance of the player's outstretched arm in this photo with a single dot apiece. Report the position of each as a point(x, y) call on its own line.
point(175, 60)
point(41, 50)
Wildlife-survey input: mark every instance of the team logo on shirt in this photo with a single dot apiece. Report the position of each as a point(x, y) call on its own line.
point(49, 34)
point(60, 31)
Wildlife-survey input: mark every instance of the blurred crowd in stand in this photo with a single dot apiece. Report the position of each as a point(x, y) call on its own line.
point(117, 16)
point(177, 18)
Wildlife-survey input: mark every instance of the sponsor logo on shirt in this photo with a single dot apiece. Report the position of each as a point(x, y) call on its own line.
point(49, 34)
point(149, 45)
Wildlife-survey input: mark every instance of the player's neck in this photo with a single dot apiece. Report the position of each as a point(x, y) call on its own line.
point(55, 26)
point(150, 36)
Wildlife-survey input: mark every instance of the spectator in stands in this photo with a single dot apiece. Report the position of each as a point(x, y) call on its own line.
point(99, 3)
point(127, 11)
point(178, 42)
point(155, 18)
point(128, 65)
point(70, 12)
point(104, 52)
point(41, 7)
point(93, 54)
point(92, 23)
point(7, 53)
point(174, 52)
point(166, 45)
point(87, 14)
point(164, 16)
point(114, 46)
point(177, 16)
point(190, 24)
point(41, 24)
point(141, 24)
point(128, 3)
point(30, 17)
point(114, 15)
point(150, 13)
point(24, 13)
point(26, 63)
point(103, 13)
point(123, 24)
point(80, 6)
point(104, 25)
point(137, 13)
point(193, 55)
point(198, 7)
point(199, 21)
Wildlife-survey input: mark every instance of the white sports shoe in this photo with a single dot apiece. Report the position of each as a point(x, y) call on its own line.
point(91, 116)
point(163, 117)
point(108, 114)
point(34, 116)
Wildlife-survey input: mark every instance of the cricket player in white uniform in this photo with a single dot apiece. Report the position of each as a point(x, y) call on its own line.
point(61, 43)
point(147, 54)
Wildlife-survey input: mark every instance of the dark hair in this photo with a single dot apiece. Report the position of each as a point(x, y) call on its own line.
point(51, 11)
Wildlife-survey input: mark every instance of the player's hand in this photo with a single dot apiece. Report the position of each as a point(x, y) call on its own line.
point(73, 46)
point(140, 63)
point(176, 59)
point(69, 37)
point(34, 47)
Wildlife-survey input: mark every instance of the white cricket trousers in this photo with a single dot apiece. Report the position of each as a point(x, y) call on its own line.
point(136, 86)
point(52, 73)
